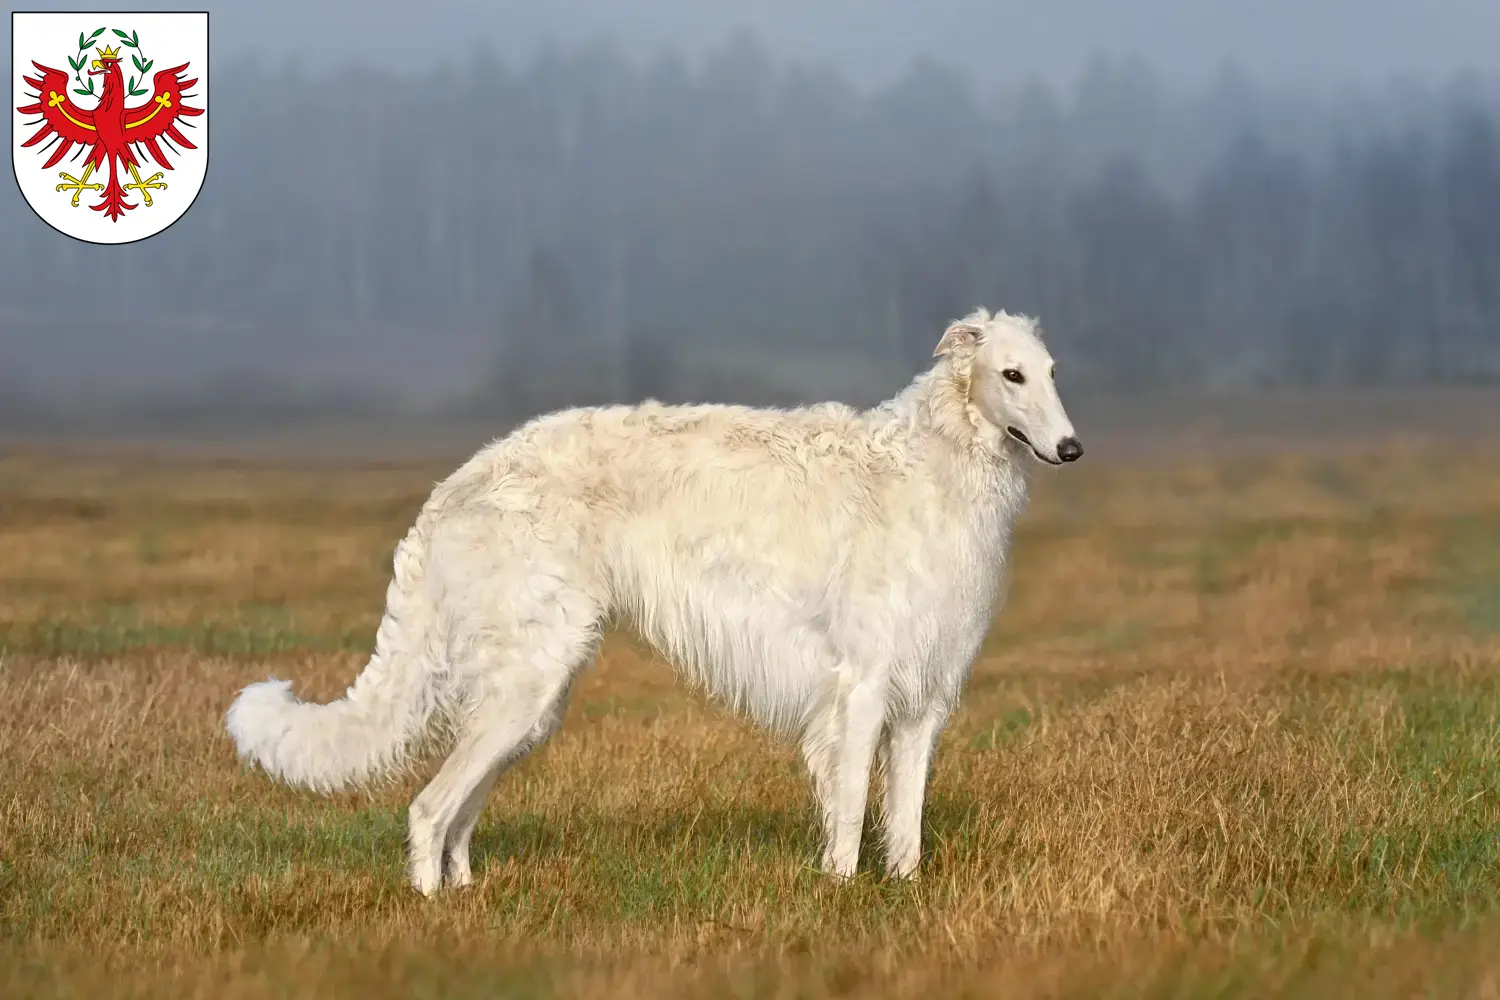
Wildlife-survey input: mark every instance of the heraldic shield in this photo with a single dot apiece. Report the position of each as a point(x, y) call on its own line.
point(109, 119)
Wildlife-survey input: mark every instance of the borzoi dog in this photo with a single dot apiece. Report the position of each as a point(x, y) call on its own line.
point(829, 572)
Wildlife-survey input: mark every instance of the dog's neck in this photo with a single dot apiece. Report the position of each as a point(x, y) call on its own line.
point(938, 405)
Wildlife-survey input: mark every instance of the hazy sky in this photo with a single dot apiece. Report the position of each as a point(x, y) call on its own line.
point(1334, 43)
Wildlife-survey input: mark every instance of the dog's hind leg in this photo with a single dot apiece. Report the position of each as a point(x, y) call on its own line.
point(517, 693)
point(908, 747)
point(456, 867)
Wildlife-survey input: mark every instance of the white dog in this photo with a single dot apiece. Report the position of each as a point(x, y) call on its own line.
point(830, 572)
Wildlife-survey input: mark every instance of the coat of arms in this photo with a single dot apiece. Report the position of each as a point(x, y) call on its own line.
point(114, 147)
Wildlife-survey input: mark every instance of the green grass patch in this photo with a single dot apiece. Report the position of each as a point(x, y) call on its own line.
point(108, 631)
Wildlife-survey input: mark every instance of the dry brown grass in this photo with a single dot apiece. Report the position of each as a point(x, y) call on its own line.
point(1238, 733)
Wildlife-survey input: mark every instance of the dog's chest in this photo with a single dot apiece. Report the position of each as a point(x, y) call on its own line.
point(940, 591)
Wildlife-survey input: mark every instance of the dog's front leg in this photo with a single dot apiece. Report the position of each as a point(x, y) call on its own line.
point(909, 746)
point(860, 715)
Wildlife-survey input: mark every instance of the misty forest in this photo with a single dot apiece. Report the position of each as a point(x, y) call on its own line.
point(502, 239)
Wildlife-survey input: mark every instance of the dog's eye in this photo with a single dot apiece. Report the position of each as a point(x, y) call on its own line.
point(1014, 375)
point(1052, 373)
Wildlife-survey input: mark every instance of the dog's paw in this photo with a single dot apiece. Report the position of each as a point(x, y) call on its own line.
point(906, 866)
point(426, 879)
point(839, 869)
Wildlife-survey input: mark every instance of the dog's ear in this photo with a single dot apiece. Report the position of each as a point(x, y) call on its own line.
point(961, 336)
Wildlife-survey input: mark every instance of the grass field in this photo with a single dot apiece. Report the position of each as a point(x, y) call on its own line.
point(1237, 734)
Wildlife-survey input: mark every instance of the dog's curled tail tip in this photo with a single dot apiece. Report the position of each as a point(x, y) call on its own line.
point(328, 748)
point(258, 719)
point(258, 710)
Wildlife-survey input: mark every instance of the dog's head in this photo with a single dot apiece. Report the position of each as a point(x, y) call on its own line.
point(1011, 381)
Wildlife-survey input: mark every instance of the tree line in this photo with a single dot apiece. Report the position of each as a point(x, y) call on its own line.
point(600, 220)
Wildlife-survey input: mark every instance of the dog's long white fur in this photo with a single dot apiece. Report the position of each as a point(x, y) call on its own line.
point(828, 571)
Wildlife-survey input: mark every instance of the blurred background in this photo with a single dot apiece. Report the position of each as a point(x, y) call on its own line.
point(1282, 215)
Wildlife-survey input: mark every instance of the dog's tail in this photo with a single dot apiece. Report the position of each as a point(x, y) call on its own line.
point(367, 733)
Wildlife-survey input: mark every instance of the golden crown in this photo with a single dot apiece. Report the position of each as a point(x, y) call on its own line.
point(108, 53)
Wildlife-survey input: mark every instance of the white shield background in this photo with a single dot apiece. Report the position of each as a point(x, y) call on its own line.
point(167, 39)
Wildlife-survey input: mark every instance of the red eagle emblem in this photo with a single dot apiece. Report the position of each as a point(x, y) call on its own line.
point(111, 133)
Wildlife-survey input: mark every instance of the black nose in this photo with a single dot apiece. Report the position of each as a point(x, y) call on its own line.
point(1069, 449)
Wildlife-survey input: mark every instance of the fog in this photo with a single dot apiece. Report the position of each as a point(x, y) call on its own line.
point(502, 208)
point(1302, 43)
